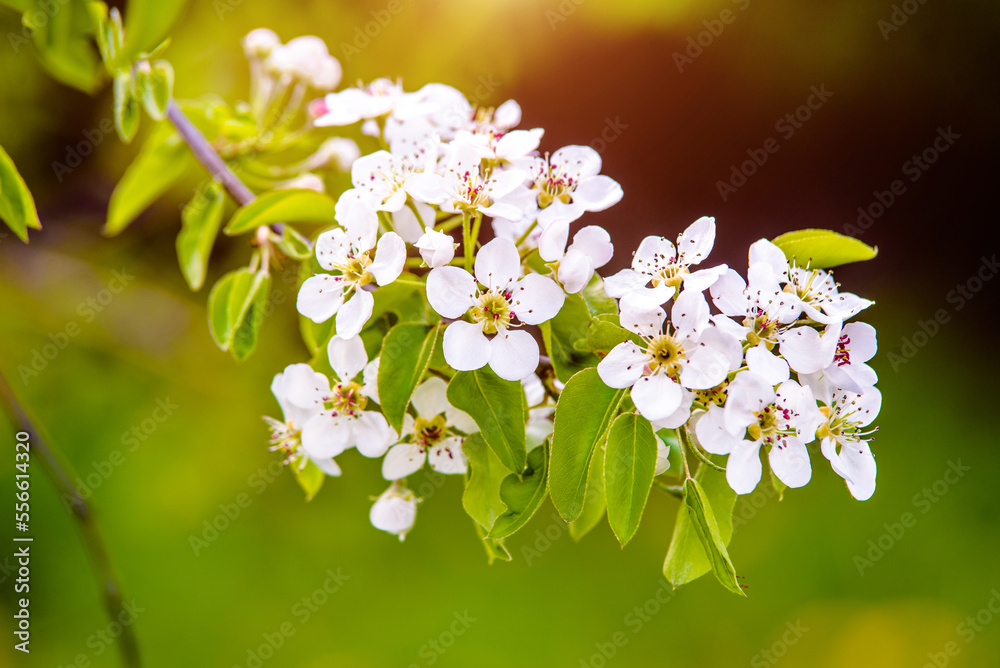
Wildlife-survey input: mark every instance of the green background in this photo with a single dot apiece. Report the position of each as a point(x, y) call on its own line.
point(603, 64)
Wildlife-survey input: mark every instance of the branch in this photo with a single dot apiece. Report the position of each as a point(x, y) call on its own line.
point(61, 474)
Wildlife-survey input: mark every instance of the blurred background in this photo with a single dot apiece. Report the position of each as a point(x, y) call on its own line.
point(165, 432)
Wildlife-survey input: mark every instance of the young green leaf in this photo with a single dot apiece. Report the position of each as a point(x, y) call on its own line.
point(597, 299)
point(164, 158)
point(283, 206)
point(495, 548)
point(63, 34)
point(562, 332)
point(310, 477)
point(147, 23)
point(585, 411)
point(17, 207)
point(629, 467)
point(253, 310)
point(293, 244)
point(481, 498)
point(522, 495)
point(218, 309)
point(822, 249)
point(200, 221)
point(158, 89)
point(406, 352)
point(594, 503)
point(703, 521)
point(686, 558)
point(497, 406)
point(126, 107)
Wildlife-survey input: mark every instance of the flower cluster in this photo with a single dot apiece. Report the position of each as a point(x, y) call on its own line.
point(775, 368)
point(435, 337)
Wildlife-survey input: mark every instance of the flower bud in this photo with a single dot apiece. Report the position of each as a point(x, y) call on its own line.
point(395, 510)
point(436, 248)
point(260, 43)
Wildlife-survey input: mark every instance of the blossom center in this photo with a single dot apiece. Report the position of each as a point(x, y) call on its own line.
point(347, 399)
point(429, 432)
point(355, 269)
point(762, 329)
point(843, 356)
point(493, 311)
point(473, 191)
point(716, 395)
point(771, 425)
point(672, 275)
point(665, 353)
point(553, 185)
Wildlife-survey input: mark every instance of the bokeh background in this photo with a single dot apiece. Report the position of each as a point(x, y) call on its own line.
point(596, 72)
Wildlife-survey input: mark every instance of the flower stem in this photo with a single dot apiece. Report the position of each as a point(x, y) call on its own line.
point(62, 475)
point(681, 433)
point(521, 239)
point(467, 241)
point(673, 490)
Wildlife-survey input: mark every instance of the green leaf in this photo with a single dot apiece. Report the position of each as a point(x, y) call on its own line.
point(283, 206)
point(17, 206)
point(822, 249)
point(497, 407)
point(495, 548)
point(583, 415)
point(403, 299)
point(703, 521)
point(603, 335)
point(594, 503)
point(562, 332)
point(406, 352)
point(63, 34)
point(310, 477)
point(126, 107)
point(629, 465)
point(253, 310)
point(200, 221)
point(597, 300)
point(147, 23)
point(235, 309)
point(481, 498)
point(164, 158)
point(157, 92)
point(294, 245)
point(522, 495)
point(686, 558)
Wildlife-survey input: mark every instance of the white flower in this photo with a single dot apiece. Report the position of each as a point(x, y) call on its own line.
point(539, 426)
point(350, 254)
point(838, 355)
point(843, 440)
point(590, 250)
point(381, 178)
point(306, 59)
point(662, 457)
point(260, 42)
point(431, 436)
point(436, 248)
point(500, 147)
point(342, 421)
point(568, 183)
point(688, 352)
point(756, 415)
point(339, 152)
point(395, 510)
point(351, 105)
point(466, 188)
point(296, 382)
point(307, 181)
point(505, 303)
point(657, 261)
point(762, 308)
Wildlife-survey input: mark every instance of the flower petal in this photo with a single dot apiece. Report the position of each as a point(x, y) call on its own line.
point(743, 469)
point(597, 193)
point(514, 354)
point(372, 434)
point(594, 242)
point(656, 397)
point(320, 297)
point(347, 357)
point(696, 242)
point(326, 435)
point(447, 456)
point(351, 318)
point(552, 242)
point(402, 460)
point(390, 255)
point(790, 462)
point(451, 291)
point(466, 348)
point(535, 299)
point(768, 366)
point(623, 366)
point(497, 264)
point(430, 398)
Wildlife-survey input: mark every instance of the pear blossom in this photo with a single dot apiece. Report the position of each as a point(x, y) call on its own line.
point(755, 416)
point(358, 262)
point(379, 98)
point(686, 352)
point(658, 262)
point(465, 187)
point(342, 420)
point(338, 152)
point(286, 435)
point(843, 439)
point(305, 59)
point(662, 457)
point(839, 355)
point(381, 178)
point(568, 183)
point(395, 510)
point(431, 436)
point(539, 426)
point(762, 309)
point(436, 248)
point(504, 304)
point(591, 249)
